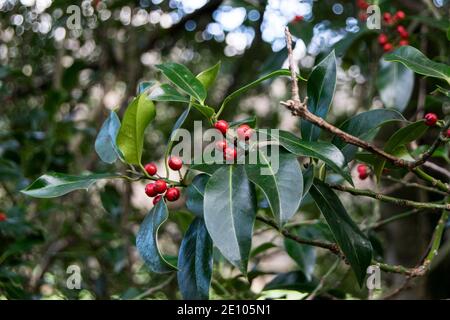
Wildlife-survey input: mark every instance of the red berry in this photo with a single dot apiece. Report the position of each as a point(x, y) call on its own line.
point(403, 42)
point(402, 31)
point(150, 190)
point(431, 119)
point(160, 186)
point(388, 47)
point(221, 145)
point(383, 39)
point(361, 168)
point(156, 199)
point(362, 4)
point(229, 153)
point(447, 134)
point(172, 194)
point(222, 126)
point(363, 176)
point(387, 17)
point(363, 16)
point(151, 168)
point(298, 18)
point(175, 163)
point(244, 132)
point(3, 217)
point(400, 15)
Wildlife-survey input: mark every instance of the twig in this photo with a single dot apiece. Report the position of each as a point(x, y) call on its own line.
point(155, 288)
point(437, 168)
point(393, 200)
point(413, 185)
point(322, 281)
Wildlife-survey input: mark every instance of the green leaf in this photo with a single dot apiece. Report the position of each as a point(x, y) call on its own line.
point(147, 239)
point(353, 243)
point(195, 192)
point(249, 121)
point(281, 184)
point(165, 92)
point(144, 86)
point(130, 139)
point(308, 178)
point(229, 212)
point(419, 63)
point(195, 262)
point(320, 88)
point(261, 248)
point(206, 111)
point(179, 75)
point(208, 76)
point(303, 255)
point(392, 79)
point(396, 144)
point(294, 280)
point(209, 169)
point(54, 184)
point(324, 151)
point(362, 126)
point(105, 144)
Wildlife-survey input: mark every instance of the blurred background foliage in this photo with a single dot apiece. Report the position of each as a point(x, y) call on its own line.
point(57, 85)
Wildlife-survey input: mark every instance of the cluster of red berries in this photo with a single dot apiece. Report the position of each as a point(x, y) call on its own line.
point(392, 20)
point(244, 132)
point(159, 188)
point(363, 171)
point(3, 217)
point(362, 5)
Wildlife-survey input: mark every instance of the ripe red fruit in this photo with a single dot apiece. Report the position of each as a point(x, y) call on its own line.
point(221, 145)
point(387, 17)
point(151, 168)
point(362, 4)
point(160, 186)
point(383, 39)
point(403, 42)
point(388, 47)
point(400, 15)
point(3, 217)
point(363, 176)
point(362, 16)
point(175, 163)
point(222, 126)
point(361, 168)
point(156, 199)
point(229, 153)
point(298, 18)
point(172, 194)
point(402, 31)
point(447, 134)
point(150, 190)
point(431, 119)
point(244, 132)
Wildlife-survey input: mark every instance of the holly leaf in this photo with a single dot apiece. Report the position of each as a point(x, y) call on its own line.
point(165, 92)
point(105, 143)
point(195, 193)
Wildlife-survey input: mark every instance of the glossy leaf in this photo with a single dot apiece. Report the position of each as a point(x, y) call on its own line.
point(147, 239)
point(282, 185)
point(397, 142)
point(308, 178)
point(206, 111)
point(144, 86)
point(320, 88)
point(294, 280)
point(208, 77)
point(54, 184)
point(179, 75)
point(195, 194)
point(324, 151)
point(180, 121)
point(229, 213)
point(395, 83)
point(419, 63)
point(165, 92)
point(209, 169)
point(303, 255)
point(130, 139)
point(353, 243)
point(105, 144)
point(362, 126)
point(195, 262)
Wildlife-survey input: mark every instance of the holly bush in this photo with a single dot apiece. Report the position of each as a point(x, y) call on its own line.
point(304, 187)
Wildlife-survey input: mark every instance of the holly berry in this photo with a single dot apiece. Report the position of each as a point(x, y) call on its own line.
point(400, 15)
point(383, 39)
point(172, 194)
point(3, 217)
point(244, 132)
point(150, 190)
point(175, 163)
point(298, 18)
point(387, 17)
point(222, 126)
point(156, 199)
point(431, 119)
point(447, 134)
point(363, 16)
point(160, 186)
point(402, 31)
point(362, 171)
point(229, 153)
point(388, 47)
point(221, 145)
point(362, 4)
point(151, 168)
point(403, 42)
